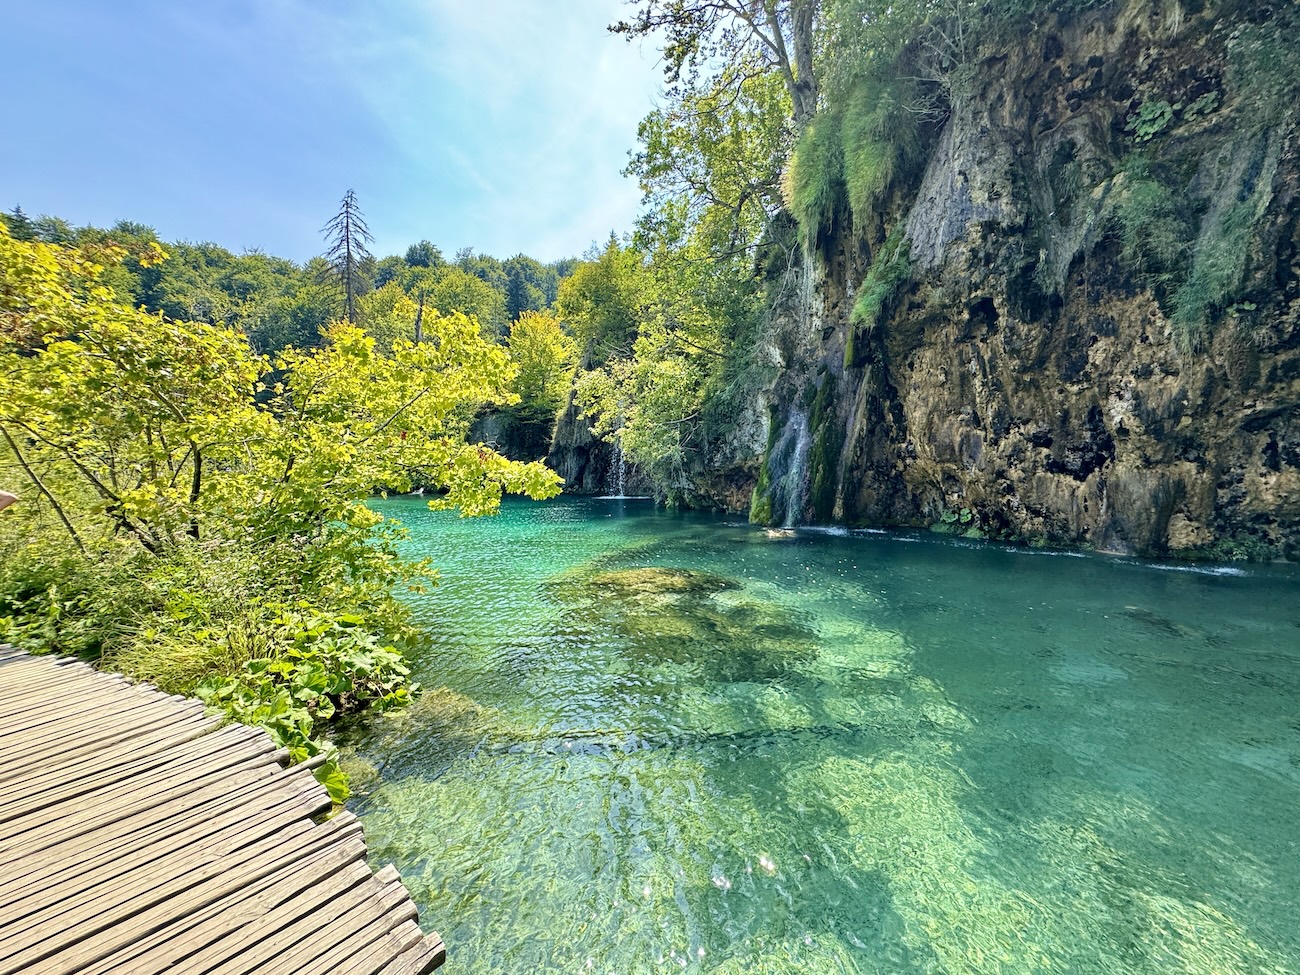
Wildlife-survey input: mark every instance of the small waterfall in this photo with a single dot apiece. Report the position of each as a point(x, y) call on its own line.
point(616, 484)
point(786, 465)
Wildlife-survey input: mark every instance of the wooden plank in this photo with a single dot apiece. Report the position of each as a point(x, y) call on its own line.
point(136, 837)
point(288, 930)
point(95, 724)
point(420, 959)
point(83, 936)
point(212, 936)
point(87, 697)
point(75, 741)
point(101, 851)
point(152, 796)
point(148, 749)
point(139, 748)
point(96, 795)
point(50, 772)
point(133, 885)
point(269, 862)
point(153, 847)
point(362, 905)
point(400, 933)
point(185, 935)
point(364, 922)
point(359, 935)
point(37, 680)
point(135, 806)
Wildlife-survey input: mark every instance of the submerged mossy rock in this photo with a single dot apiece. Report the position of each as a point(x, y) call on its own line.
point(691, 618)
point(656, 582)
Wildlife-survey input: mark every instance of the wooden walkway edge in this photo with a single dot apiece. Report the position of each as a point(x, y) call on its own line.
point(138, 835)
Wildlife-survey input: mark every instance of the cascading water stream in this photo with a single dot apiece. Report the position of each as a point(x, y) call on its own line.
point(786, 464)
point(616, 477)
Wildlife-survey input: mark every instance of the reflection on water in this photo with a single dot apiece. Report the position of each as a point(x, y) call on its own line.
point(660, 742)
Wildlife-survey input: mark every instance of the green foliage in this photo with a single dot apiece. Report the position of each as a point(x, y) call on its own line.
point(888, 273)
point(710, 165)
point(388, 315)
point(600, 303)
point(530, 286)
point(963, 522)
point(455, 290)
point(760, 502)
point(1262, 68)
point(880, 143)
point(322, 668)
point(1152, 118)
point(188, 507)
point(649, 403)
point(1218, 271)
point(1198, 269)
point(1153, 228)
point(546, 358)
point(815, 178)
point(851, 155)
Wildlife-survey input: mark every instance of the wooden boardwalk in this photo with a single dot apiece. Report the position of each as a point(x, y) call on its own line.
point(137, 836)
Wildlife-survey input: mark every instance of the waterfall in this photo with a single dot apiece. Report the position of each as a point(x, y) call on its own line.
point(786, 464)
point(616, 484)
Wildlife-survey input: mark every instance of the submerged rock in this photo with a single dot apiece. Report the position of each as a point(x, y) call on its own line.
point(696, 619)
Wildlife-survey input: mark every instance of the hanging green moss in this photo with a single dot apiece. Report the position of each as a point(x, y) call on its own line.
point(1153, 229)
point(815, 187)
point(886, 277)
point(879, 144)
point(851, 155)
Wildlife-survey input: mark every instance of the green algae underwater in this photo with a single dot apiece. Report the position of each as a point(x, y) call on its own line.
point(663, 742)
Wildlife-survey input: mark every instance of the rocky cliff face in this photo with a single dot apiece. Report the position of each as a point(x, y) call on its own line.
point(1098, 342)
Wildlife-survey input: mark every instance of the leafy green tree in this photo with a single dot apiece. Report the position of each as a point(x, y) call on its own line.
point(347, 235)
point(389, 315)
point(713, 46)
point(545, 357)
point(600, 302)
point(53, 230)
point(210, 505)
point(453, 289)
point(389, 269)
point(159, 417)
point(527, 284)
point(484, 267)
point(296, 317)
point(424, 254)
point(19, 224)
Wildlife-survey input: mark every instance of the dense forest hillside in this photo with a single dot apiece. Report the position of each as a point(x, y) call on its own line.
point(1027, 272)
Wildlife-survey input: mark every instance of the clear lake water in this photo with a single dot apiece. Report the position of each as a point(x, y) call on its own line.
point(664, 742)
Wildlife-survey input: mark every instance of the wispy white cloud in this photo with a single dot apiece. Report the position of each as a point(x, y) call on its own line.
point(507, 122)
point(497, 124)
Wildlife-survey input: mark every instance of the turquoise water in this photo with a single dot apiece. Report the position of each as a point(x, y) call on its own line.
point(665, 743)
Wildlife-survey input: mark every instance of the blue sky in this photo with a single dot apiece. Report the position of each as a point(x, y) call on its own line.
point(500, 125)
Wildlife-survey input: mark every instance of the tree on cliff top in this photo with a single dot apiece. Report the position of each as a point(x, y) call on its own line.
point(737, 39)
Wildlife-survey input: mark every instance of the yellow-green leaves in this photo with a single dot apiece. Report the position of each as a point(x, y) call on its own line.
point(179, 429)
point(545, 357)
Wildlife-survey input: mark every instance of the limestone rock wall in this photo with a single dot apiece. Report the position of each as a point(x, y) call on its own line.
point(1032, 382)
